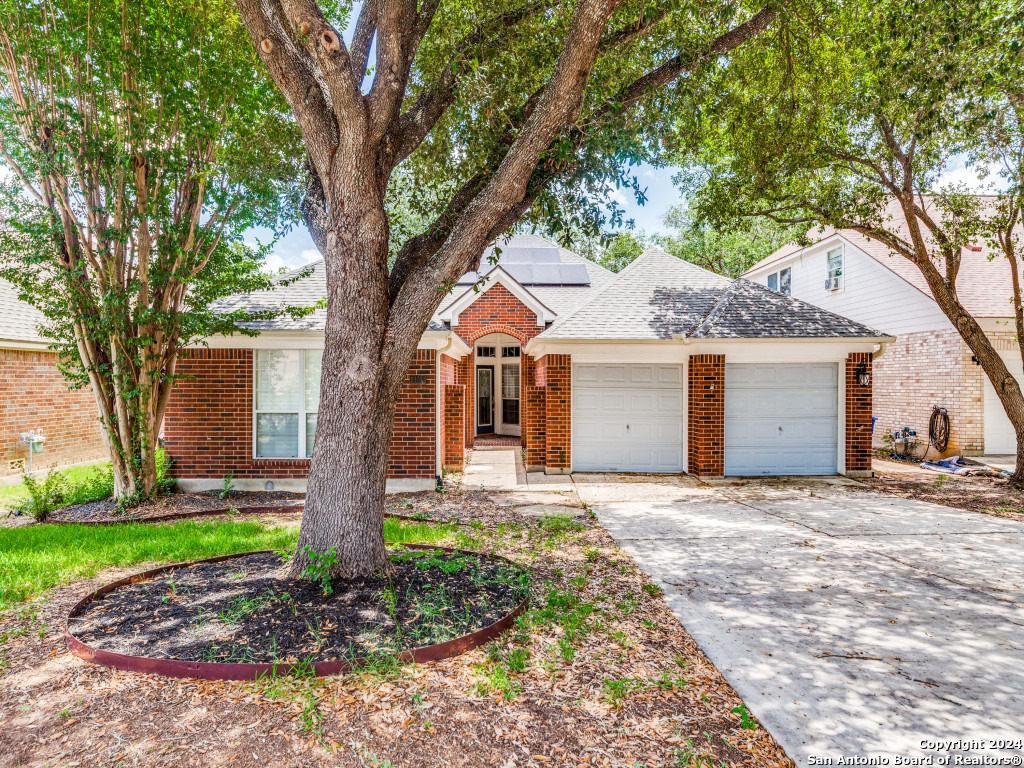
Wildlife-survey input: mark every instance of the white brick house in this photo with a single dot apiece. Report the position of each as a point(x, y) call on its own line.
point(929, 364)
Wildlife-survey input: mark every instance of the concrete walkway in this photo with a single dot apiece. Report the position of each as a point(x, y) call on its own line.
point(501, 469)
point(853, 624)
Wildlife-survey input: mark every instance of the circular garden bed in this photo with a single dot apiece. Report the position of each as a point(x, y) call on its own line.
point(237, 617)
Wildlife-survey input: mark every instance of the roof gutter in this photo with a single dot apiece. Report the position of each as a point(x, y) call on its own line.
point(880, 351)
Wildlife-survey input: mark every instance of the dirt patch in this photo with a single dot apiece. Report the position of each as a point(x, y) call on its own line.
point(991, 496)
point(598, 673)
point(244, 610)
point(466, 507)
point(171, 504)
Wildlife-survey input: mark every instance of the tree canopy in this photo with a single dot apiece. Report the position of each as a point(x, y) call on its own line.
point(140, 144)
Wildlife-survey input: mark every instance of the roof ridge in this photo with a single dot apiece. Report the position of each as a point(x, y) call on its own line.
point(717, 309)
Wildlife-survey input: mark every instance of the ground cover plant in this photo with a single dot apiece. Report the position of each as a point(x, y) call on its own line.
point(597, 672)
point(245, 610)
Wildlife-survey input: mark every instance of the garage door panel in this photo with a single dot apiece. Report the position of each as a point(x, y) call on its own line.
point(627, 418)
point(781, 419)
point(999, 434)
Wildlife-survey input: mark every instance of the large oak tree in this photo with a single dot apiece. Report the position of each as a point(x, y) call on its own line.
point(514, 104)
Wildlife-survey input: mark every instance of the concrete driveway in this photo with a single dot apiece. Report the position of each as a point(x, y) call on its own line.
point(853, 624)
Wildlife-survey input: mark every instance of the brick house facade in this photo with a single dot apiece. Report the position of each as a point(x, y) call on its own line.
point(525, 330)
point(34, 396)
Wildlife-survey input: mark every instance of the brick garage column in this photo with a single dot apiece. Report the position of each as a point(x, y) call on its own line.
point(557, 373)
point(454, 427)
point(534, 416)
point(706, 415)
point(858, 417)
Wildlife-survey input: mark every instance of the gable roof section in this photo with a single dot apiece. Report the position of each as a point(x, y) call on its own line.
point(983, 284)
point(497, 276)
point(19, 320)
point(660, 297)
point(656, 296)
point(747, 310)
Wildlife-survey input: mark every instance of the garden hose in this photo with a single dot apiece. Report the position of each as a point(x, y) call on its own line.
point(938, 429)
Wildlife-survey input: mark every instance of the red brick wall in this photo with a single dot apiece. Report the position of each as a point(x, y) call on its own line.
point(209, 422)
point(706, 415)
point(536, 418)
point(858, 415)
point(454, 438)
point(34, 395)
point(557, 371)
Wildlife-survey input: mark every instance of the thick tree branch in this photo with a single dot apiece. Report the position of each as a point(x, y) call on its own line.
point(362, 39)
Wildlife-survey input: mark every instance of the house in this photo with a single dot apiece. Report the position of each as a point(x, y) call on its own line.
point(35, 400)
point(929, 363)
point(665, 367)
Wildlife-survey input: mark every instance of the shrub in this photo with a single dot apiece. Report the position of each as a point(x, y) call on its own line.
point(44, 495)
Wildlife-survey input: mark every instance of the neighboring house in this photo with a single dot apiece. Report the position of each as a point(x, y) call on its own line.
point(34, 397)
point(665, 367)
point(929, 364)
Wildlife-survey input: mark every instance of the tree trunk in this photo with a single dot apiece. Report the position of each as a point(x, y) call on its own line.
point(364, 365)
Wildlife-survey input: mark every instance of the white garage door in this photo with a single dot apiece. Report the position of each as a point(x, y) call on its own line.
point(999, 434)
point(781, 419)
point(627, 418)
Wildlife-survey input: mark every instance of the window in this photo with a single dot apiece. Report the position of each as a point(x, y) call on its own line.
point(287, 401)
point(510, 351)
point(510, 394)
point(485, 352)
point(781, 281)
point(834, 265)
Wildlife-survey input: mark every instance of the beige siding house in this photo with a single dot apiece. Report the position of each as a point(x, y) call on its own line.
point(928, 364)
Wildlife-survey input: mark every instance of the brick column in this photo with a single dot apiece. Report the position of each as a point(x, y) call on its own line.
point(706, 415)
point(464, 374)
point(454, 427)
point(557, 375)
point(858, 417)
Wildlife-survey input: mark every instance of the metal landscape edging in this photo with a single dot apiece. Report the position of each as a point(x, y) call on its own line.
point(207, 670)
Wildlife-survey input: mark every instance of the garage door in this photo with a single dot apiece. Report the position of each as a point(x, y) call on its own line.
point(999, 434)
point(781, 419)
point(627, 418)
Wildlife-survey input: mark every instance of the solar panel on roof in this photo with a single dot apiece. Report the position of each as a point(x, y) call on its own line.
point(533, 266)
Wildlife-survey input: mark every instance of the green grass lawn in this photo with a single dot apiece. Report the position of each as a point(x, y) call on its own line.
point(15, 494)
point(36, 558)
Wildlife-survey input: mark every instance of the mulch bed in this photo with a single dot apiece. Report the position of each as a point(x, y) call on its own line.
point(992, 496)
point(171, 504)
point(598, 673)
point(245, 610)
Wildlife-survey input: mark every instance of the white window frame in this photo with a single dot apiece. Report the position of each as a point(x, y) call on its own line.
point(778, 281)
point(840, 273)
point(303, 413)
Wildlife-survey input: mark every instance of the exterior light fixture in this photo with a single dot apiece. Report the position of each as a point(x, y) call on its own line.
point(863, 375)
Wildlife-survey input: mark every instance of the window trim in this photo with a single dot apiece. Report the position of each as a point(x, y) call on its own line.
point(777, 274)
point(302, 413)
point(840, 273)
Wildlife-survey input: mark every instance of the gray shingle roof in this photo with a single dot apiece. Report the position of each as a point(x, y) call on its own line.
point(747, 310)
point(309, 290)
point(19, 321)
point(659, 296)
point(655, 297)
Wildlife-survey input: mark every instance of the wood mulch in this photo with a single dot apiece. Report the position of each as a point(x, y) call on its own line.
point(599, 673)
point(989, 495)
point(171, 504)
point(246, 610)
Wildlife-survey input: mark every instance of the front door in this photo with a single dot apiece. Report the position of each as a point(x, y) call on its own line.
point(484, 399)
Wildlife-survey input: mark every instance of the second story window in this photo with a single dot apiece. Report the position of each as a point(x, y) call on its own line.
point(781, 281)
point(834, 266)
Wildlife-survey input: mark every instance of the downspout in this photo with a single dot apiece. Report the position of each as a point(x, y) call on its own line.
point(880, 351)
point(439, 418)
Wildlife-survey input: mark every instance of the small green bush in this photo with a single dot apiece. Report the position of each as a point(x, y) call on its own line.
point(44, 495)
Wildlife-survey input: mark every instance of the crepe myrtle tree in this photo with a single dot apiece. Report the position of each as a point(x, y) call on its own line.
point(136, 145)
point(855, 124)
point(509, 102)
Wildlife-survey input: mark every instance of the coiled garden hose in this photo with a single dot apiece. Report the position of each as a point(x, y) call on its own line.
point(938, 429)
